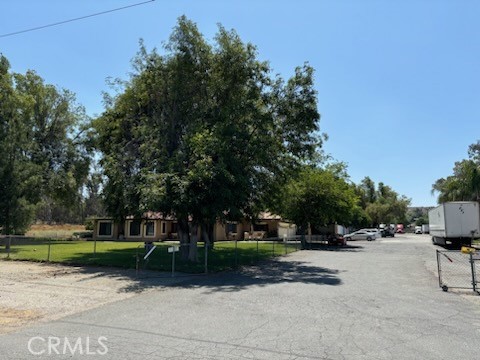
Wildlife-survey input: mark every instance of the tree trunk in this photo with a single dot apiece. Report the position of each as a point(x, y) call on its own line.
point(183, 236)
point(193, 253)
point(205, 235)
point(302, 237)
point(309, 233)
point(7, 221)
point(121, 229)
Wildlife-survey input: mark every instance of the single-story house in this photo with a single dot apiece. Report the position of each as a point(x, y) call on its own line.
point(154, 226)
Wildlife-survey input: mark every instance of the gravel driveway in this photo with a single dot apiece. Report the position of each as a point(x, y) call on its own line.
point(373, 300)
point(39, 292)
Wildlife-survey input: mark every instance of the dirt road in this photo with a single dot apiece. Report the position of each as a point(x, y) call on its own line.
point(32, 292)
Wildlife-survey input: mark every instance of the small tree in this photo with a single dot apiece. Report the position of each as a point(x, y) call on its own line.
point(318, 197)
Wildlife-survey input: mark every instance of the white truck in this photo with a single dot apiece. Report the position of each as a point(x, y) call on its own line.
point(425, 229)
point(454, 223)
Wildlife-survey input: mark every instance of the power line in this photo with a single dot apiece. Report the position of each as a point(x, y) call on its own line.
point(75, 19)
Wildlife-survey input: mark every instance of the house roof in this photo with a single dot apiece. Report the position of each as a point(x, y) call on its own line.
point(265, 215)
point(155, 215)
point(152, 215)
point(149, 215)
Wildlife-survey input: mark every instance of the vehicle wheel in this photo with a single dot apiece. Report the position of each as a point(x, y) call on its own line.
point(369, 238)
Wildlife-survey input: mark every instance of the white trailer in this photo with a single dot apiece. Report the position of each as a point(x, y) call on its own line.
point(425, 229)
point(454, 223)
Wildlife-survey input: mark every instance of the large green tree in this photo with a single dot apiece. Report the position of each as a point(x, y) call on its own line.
point(17, 173)
point(43, 154)
point(204, 132)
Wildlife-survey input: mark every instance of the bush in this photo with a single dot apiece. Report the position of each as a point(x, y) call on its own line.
point(89, 224)
point(83, 234)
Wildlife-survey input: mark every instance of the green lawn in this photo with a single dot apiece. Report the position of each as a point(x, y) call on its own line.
point(223, 256)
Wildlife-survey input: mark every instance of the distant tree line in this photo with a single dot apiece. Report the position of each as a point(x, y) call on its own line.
point(203, 131)
point(418, 215)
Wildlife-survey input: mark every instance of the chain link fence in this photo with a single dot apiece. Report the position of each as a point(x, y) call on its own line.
point(160, 256)
point(458, 270)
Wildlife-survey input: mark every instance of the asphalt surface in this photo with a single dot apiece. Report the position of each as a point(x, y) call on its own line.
point(372, 300)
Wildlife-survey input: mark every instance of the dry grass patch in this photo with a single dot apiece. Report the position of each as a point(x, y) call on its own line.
point(61, 231)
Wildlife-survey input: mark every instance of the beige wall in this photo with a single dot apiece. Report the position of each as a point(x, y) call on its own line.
point(219, 232)
point(157, 235)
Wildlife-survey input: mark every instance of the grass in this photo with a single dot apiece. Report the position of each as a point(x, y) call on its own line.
point(223, 256)
point(64, 231)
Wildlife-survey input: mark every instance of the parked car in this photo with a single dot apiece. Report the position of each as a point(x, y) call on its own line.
point(337, 240)
point(360, 235)
point(400, 229)
point(387, 233)
point(418, 230)
point(373, 231)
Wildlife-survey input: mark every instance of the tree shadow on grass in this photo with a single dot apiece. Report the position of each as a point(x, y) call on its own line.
point(250, 270)
point(265, 273)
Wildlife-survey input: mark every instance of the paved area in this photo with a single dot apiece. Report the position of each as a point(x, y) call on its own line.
point(373, 300)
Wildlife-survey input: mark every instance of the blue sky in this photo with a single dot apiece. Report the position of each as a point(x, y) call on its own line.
point(398, 81)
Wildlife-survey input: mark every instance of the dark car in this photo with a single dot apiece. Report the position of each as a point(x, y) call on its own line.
point(387, 233)
point(337, 240)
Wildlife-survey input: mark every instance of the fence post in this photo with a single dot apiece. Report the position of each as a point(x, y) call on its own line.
point(95, 247)
point(49, 245)
point(206, 257)
point(9, 245)
point(236, 252)
point(474, 280)
point(257, 249)
point(173, 262)
point(137, 260)
point(439, 269)
point(273, 248)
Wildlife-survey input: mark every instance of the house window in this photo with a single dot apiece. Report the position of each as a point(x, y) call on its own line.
point(105, 228)
point(149, 228)
point(135, 228)
point(231, 228)
point(260, 227)
point(174, 227)
point(164, 227)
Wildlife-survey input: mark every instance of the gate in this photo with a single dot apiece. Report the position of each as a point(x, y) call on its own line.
point(458, 270)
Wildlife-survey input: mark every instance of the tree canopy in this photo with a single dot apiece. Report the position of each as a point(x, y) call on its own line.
point(43, 154)
point(319, 197)
point(204, 131)
point(464, 183)
point(381, 204)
